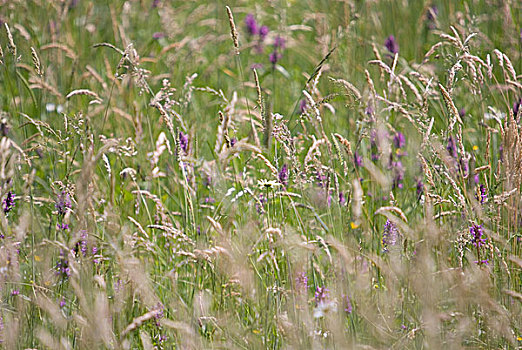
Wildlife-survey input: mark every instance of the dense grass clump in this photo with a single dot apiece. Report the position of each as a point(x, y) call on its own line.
point(260, 174)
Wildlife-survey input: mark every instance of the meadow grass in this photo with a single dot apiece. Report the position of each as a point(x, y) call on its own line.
point(260, 174)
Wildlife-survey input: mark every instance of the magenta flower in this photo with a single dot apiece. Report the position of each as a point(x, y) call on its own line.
point(263, 32)
point(251, 24)
point(357, 159)
point(391, 44)
point(279, 43)
point(274, 57)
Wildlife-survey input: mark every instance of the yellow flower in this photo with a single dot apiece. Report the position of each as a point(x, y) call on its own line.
point(353, 225)
point(475, 148)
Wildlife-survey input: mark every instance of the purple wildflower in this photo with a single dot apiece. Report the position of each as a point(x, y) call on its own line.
point(374, 147)
point(357, 159)
point(158, 35)
point(342, 198)
point(399, 140)
point(391, 44)
point(183, 141)
point(256, 66)
point(279, 43)
point(260, 203)
point(464, 166)
point(15, 292)
point(451, 147)
point(159, 313)
point(420, 188)
point(274, 57)
point(517, 107)
point(462, 112)
point(347, 304)
point(433, 11)
point(8, 202)
point(390, 235)
point(369, 110)
point(4, 127)
point(301, 281)
point(283, 175)
point(302, 105)
point(398, 171)
point(321, 179)
point(155, 3)
point(63, 202)
point(81, 245)
point(62, 303)
point(251, 24)
point(477, 233)
point(62, 227)
point(263, 32)
point(62, 266)
point(483, 195)
point(501, 153)
point(431, 17)
point(321, 293)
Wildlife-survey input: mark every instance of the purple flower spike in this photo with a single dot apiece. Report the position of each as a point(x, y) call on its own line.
point(390, 235)
point(251, 24)
point(477, 233)
point(302, 105)
point(433, 11)
point(301, 281)
point(342, 198)
point(283, 175)
point(321, 293)
point(63, 202)
point(358, 160)
point(517, 107)
point(279, 43)
point(183, 141)
point(8, 202)
point(391, 45)
point(451, 147)
point(347, 305)
point(263, 32)
point(62, 227)
point(399, 141)
point(420, 188)
point(398, 176)
point(275, 57)
point(483, 195)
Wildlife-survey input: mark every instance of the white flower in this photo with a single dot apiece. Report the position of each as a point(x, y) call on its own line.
point(324, 307)
point(263, 184)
